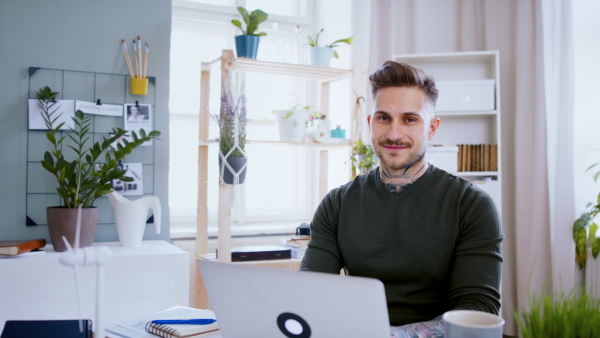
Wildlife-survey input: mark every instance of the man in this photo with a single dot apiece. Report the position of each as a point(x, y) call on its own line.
point(432, 238)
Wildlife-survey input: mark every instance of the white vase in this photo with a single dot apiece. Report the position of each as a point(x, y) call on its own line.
point(292, 124)
point(131, 217)
point(320, 56)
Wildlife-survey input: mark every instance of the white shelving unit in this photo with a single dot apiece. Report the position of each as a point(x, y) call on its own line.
point(468, 126)
point(226, 63)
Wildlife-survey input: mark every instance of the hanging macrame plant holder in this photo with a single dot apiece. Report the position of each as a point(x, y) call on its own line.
point(232, 122)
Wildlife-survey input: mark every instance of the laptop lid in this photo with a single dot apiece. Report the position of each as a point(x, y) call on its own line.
point(260, 302)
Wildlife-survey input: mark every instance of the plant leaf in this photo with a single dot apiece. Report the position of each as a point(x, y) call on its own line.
point(595, 247)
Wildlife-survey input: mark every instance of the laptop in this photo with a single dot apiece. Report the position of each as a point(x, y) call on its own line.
point(251, 301)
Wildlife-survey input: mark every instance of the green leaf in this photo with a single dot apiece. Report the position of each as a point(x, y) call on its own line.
point(346, 40)
point(580, 224)
point(595, 247)
point(581, 248)
point(592, 234)
point(238, 24)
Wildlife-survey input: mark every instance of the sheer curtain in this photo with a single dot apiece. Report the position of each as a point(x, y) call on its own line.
point(533, 38)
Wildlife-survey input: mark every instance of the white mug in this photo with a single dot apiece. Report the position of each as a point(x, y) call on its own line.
point(472, 324)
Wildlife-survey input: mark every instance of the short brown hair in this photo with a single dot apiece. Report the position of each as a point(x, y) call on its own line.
point(398, 74)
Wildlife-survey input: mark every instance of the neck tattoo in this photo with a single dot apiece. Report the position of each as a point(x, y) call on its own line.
point(397, 182)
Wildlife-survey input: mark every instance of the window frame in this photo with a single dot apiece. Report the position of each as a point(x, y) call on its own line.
point(202, 18)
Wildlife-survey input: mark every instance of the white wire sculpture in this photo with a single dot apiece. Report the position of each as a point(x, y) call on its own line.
point(88, 256)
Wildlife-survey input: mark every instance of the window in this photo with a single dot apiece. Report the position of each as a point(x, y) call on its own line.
point(281, 183)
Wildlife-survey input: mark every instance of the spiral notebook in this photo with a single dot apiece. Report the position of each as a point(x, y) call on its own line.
point(182, 330)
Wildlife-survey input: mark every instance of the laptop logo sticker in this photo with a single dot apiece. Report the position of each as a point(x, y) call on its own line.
point(293, 326)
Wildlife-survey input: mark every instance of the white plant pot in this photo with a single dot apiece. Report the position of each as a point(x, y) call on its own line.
point(320, 56)
point(292, 124)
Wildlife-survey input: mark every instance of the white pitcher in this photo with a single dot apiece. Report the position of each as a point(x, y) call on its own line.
point(131, 217)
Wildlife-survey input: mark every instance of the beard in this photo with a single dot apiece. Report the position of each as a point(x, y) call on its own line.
point(398, 162)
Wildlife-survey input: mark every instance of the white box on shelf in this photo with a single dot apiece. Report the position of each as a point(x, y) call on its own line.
point(445, 158)
point(472, 95)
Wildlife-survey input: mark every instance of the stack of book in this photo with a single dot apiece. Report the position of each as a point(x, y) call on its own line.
point(297, 244)
point(477, 157)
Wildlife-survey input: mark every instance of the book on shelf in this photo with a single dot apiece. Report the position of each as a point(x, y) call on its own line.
point(477, 157)
point(12, 248)
point(297, 246)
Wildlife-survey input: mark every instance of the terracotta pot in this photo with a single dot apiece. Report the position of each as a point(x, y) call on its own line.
point(63, 222)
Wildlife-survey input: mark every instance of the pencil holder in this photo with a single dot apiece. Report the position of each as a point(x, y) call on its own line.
point(138, 86)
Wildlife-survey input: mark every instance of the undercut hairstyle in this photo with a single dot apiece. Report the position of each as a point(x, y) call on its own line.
point(398, 74)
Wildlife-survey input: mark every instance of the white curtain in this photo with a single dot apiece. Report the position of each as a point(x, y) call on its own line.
point(533, 37)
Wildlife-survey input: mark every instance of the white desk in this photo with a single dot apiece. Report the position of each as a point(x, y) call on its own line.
point(139, 281)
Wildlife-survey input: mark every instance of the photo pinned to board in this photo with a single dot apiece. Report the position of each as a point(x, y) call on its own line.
point(63, 110)
point(137, 117)
point(135, 187)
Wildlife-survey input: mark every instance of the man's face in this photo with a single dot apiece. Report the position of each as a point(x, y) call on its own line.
point(400, 126)
point(134, 111)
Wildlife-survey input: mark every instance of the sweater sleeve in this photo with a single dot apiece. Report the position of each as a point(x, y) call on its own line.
point(322, 254)
point(477, 261)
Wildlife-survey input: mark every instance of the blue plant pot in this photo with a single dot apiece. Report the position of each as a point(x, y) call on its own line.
point(247, 46)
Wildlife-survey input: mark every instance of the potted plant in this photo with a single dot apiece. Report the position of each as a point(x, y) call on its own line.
point(321, 55)
point(560, 315)
point(292, 123)
point(363, 158)
point(246, 44)
point(584, 229)
point(232, 121)
point(86, 177)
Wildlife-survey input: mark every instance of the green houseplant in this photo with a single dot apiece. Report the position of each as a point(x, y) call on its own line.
point(363, 158)
point(584, 229)
point(90, 174)
point(232, 121)
point(246, 44)
point(560, 315)
point(321, 55)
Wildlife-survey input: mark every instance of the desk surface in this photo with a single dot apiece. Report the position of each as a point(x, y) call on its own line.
point(141, 280)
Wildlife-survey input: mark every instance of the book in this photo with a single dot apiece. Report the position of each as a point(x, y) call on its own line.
point(297, 246)
point(47, 328)
point(12, 248)
point(259, 253)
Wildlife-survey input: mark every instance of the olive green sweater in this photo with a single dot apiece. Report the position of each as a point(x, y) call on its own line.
point(436, 245)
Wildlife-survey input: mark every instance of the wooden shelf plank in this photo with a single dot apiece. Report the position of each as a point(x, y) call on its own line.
point(343, 144)
point(324, 74)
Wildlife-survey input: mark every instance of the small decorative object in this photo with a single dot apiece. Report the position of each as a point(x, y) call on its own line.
point(246, 44)
point(363, 158)
point(319, 128)
point(584, 229)
point(130, 217)
point(321, 55)
point(138, 83)
point(99, 256)
point(232, 121)
point(338, 132)
point(88, 176)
